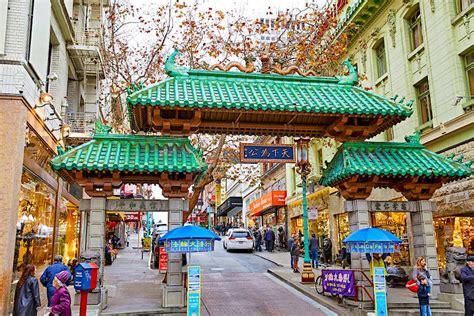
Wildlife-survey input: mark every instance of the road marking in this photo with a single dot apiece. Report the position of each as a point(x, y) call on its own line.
point(298, 294)
point(217, 269)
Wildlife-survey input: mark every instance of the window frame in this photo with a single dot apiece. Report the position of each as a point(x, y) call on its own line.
point(420, 96)
point(467, 68)
point(460, 6)
point(414, 22)
point(378, 58)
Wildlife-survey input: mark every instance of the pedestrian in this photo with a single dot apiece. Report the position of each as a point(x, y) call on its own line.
point(295, 254)
point(291, 241)
point(467, 279)
point(313, 250)
point(72, 266)
point(300, 235)
point(327, 249)
point(48, 275)
point(424, 289)
point(61, 300)
point(269, 239)
point(27, 295)
point(421, 269)
point(258, 240)
point(376, 261)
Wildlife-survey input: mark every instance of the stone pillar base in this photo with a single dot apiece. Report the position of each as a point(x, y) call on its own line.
point(173, 296)
point(450, 288)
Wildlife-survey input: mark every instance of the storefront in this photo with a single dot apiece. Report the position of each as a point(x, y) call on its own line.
point(67, 242)
point(228, 210)
point(342, 228)
point(270, 210)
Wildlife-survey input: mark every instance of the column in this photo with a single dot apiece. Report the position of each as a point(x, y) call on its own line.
point(12, 138)
point(173, 291)
point(424, 241)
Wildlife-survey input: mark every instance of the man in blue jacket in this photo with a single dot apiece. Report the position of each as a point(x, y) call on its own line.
point(467, 279)
point(48, 276)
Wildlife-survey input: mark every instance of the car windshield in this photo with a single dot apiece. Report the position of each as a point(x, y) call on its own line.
point(241, 234)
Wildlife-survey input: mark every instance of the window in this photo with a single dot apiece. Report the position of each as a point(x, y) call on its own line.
point(381, 59)
point(415, 29)
point(464, 4)
point(425, 113)
point(320, 160)
point(469, 62)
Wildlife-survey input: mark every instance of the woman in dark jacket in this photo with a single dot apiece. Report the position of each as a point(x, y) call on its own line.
point(27, 295)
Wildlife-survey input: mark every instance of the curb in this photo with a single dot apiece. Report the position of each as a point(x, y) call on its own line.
point(274, 262)
point(331, 305)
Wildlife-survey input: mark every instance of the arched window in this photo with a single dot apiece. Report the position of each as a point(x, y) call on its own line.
point(415, 29)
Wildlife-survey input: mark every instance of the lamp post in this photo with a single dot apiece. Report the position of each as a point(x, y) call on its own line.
point(303, 168)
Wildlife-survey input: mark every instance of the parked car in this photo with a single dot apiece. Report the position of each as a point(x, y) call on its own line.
point(238, 238)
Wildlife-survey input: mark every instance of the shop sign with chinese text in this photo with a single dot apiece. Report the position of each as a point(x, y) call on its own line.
point(337, 281)
point(189, 245)
point(392, 206)
point(255, 153)
point(163, 260)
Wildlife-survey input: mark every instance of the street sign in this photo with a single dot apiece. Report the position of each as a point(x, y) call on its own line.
point(194, 291)
point(380, 292)
point(254, 153)
point(312, 213)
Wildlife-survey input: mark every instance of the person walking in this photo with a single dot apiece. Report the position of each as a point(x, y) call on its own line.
point(421, 269)
point(467, 279)
point(291, 241)
point(269, 239)
point(48, 276)
point(295, 254)
point(258, 240)
point(61, 300)
point(27, 295)
point(313, 250)
point(424, 289)
point(272, 239)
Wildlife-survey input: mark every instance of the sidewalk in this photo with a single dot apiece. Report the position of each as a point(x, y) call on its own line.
point(399, 299)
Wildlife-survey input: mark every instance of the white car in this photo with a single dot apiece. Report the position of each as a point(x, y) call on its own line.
point(238, 239)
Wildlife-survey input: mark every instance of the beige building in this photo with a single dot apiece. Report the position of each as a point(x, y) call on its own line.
point(50, 69)
point(423, 51)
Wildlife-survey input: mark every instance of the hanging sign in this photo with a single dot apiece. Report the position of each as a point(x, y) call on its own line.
point(163, 260)
point(189, 245)
point(380, 292)
point(373, 247)
point(194, 291)
point(312, 213)
point(338, 281)
point(254, 153)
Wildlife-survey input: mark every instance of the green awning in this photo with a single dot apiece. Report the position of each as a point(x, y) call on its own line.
point(132, 153)
point(392, 159)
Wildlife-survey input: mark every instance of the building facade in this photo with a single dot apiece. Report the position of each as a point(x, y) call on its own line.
point(423, 51)
point(49, 73)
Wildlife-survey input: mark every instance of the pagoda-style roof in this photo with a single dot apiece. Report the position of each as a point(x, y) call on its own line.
point(107, 161)
point(408, 167)
point(231, 102)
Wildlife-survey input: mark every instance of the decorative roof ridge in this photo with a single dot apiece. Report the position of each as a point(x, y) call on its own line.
point(172, 69)
point(137, 137)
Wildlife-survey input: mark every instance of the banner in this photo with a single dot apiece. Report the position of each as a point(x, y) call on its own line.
point(373, 247)
point(189, 245)
point(380, 292)
point(194, 291)
point(163, 260)
point(338, 281)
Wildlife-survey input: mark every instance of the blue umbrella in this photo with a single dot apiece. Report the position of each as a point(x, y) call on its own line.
point(372, 240)
point(189, 232)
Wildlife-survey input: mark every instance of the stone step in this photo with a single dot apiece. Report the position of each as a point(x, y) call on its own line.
point(411, 305)
point(416, 312)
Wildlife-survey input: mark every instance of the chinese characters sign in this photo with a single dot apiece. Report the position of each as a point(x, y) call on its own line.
point(253, 153)
point(340, 282)
point(163, 260)
point(189, 245)
point(194, 291)
point(392, 206)
point(373, 247)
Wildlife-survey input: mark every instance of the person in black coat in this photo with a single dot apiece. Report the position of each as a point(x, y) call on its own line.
point(467, 279)
point(27, 295)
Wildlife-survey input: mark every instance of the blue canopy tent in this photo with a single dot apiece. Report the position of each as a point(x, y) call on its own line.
point(372, 240)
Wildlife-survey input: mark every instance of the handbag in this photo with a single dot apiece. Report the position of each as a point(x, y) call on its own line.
point(412, 285)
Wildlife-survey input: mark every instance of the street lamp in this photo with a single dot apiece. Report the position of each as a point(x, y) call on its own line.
point(303, 168)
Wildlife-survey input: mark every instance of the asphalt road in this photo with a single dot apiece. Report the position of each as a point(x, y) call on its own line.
point(237, 283)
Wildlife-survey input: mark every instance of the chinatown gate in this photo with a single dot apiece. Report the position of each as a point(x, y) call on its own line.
point(274, 102)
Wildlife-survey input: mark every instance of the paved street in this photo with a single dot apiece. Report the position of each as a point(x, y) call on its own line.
point(237, 283)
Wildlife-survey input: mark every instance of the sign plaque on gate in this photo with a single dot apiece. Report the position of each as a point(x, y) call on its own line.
point(274, 153)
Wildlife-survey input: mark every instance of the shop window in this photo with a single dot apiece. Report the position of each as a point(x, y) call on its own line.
point(469, 64)
point(424, 103)
point(35, 225)
point(380, 59)
point(342, 228)
point(396, 223)
point(462, 5)
point(68, 231)
point(416, 33)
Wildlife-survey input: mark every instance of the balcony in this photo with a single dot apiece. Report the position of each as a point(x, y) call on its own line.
point(82, 126)
point(84, 52)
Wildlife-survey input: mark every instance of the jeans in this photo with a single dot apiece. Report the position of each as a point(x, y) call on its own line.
point(425, 310)
point(314, 259)
point(468, 306)
point(258, 246)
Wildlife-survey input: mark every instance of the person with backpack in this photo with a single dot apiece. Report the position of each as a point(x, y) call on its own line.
point(27, 295)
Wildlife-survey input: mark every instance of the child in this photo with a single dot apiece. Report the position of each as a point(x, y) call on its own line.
point(295, 252)
point(424, 290)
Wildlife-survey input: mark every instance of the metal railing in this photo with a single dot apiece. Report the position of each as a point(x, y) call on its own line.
point(81, 122)
point(89, 37)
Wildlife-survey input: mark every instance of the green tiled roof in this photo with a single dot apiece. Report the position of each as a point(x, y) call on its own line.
point(390, 159)
point(214, 89)
point(132, 153)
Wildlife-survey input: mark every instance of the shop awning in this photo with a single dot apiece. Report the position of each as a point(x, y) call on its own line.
point(270, 199)
point(228, 205)
point(407, 167)
point(234, 212)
